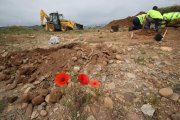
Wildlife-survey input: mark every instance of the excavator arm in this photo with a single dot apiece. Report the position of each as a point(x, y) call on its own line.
point(42, 16)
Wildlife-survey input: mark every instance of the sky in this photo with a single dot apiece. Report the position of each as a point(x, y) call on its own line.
point(86, 12)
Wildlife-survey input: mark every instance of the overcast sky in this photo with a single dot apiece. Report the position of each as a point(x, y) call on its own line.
point(87, 12)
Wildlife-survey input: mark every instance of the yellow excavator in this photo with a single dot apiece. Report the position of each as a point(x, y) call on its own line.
point(55, 22)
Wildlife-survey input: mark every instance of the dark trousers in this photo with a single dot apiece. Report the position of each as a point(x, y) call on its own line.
point(136, 23)
point(156, 21)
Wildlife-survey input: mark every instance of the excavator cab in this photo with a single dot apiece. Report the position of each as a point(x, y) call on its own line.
point(54, 22)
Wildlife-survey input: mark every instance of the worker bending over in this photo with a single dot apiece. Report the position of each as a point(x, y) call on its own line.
point(155, 17)
point(137, 22)
point(171, 17)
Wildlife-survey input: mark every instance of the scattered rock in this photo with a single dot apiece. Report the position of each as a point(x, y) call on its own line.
point(111, 61)
point(32, 79)
point(47, 98)
point(166, 92)
point(12, 99)
point(25, 61)
point(175, 116)
point(118, 57)
point(28, 89)
point(74, 58)
point(108, 103)
point(147, 109)
point(44, 92)
point(38, 100)
point(91, 118)
point(76, 69)
point(34, 115)
point(55, 95)
point(27, 69)
point(11, 86)
point(25, 98)
point(168, 49)
point(24, 105)
point(131, 75)
point(27, 86)
point(129, 97)
point(174, 97)
point(43, 113)
point(29, 110)
point(4, 54)
point(32, 95)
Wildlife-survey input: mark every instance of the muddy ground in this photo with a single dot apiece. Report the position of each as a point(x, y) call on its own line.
point(132, 71)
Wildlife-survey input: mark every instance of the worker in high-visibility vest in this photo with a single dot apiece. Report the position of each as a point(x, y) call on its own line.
point(170, 17)
point(153, 16)
point(137, 22)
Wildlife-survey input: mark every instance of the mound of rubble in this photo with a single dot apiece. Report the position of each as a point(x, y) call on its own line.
point(29, 75)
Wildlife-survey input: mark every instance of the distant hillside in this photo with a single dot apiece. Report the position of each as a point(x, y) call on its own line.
point(19, 29)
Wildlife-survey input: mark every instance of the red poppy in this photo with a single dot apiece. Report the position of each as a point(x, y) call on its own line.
point(83, 79)
point(95, 83)
point(61, 79)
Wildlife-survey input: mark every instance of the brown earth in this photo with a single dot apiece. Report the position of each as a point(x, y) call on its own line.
point(131, 72)
point(121, 22)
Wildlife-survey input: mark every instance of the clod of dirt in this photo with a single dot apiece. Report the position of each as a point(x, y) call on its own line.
point(3, 77)
point(25, 98)
point(43, 92)
point(55, 95)
point(12, 99)
point(29, 110)
point(27, 69)
point(37, 100)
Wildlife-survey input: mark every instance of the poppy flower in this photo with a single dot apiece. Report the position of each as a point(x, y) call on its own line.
point(83, 79)
point(61, 79)
point(95, 83)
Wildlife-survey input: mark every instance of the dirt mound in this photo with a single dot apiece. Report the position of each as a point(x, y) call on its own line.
point(32, 72)
point(122, 22)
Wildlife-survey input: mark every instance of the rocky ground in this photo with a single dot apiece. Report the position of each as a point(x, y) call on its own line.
point(139, 77)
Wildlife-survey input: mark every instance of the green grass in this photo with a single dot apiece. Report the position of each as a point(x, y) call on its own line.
point(16, 30)
point(175, 8)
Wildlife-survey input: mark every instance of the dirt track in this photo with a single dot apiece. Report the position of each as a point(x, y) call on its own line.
point(131, 70)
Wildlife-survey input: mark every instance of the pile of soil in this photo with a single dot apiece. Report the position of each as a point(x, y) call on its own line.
point(122, 22)
point(32, 73)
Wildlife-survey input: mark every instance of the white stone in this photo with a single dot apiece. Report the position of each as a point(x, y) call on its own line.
point(147, 109)
point(34, 115)
point(47, 98)
point(27, 90)
point(76, 69)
